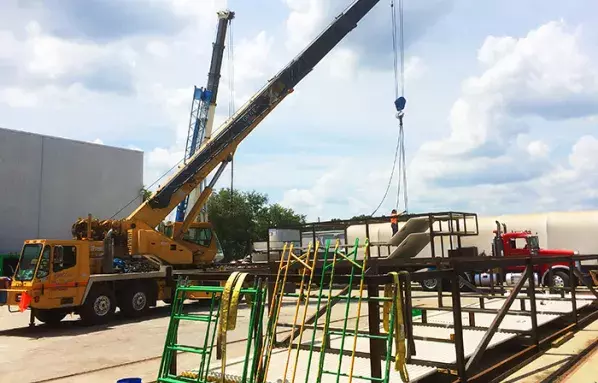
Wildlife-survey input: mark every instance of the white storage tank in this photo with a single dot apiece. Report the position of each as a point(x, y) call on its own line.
point(576, 230)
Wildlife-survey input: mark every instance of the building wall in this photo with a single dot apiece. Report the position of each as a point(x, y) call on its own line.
point(46, 183)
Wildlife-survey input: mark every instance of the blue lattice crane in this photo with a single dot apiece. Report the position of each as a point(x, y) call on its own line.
point(203, 106)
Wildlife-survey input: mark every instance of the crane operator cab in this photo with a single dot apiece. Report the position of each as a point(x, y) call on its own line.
point(200, 235)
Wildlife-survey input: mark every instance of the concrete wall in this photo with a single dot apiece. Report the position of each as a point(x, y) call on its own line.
point(46, 183)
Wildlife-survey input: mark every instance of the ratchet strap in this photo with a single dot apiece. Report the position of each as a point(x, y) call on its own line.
point(399, 325)
point(228, 312)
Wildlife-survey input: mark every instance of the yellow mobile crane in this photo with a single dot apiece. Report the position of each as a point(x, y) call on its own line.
point(57, 277)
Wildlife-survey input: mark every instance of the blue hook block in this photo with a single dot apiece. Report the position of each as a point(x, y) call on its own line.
point(400, 103)
point(129, 380)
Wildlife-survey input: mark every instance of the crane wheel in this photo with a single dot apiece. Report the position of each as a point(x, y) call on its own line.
point(99, 306)
point(134, 301)
point(50, 317)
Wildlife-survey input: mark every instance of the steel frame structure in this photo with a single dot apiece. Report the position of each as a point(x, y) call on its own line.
point(451, 227)
point(464, 369)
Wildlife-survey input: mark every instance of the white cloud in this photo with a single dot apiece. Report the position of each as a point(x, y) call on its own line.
point(545, 74)
point(327, 150)
point(303, 21)
point(18, 98)
point(584, 155)
point(538, 149)
point(160, 164)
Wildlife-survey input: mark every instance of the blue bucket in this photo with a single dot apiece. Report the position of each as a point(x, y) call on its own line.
point(129, 380)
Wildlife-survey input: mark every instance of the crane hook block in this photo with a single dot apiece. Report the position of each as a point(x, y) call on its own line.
point(400, 103)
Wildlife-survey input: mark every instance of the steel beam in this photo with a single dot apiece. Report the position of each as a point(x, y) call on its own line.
point(531, 289)
point(459, 346)
point(496, 322)
point(581, 278)
point(376, 346)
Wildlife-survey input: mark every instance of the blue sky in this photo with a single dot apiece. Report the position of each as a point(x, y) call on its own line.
point(502, 96)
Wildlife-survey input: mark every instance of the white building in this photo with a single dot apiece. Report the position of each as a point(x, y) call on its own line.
point(46, 183)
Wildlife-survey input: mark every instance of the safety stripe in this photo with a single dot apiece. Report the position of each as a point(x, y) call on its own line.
point(52, 286)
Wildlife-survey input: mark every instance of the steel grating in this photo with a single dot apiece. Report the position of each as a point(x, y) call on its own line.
point(435, 351)
point(512, 322)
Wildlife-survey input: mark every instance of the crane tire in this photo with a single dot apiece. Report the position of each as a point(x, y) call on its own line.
point(134, 301)
point(99, 306)
point(50, 317)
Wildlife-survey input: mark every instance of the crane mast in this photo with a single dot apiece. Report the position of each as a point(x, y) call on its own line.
point(203, 106)
point(217, 150)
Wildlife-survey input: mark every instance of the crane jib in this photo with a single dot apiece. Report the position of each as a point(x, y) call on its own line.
point(251, 113)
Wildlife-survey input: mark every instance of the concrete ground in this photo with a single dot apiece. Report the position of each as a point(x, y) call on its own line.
point(554, 358)
point(122, 348)
point(129, 348)
point(586, 371)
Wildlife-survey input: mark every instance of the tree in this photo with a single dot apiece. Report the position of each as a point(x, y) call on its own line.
point(145, 194)
point(243, 218)
point(361, 217)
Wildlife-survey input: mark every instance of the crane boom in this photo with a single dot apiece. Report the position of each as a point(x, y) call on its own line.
point(203, 106)
point(235, 129)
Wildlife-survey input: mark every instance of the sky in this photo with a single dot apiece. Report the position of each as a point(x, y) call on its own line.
point(502, 96)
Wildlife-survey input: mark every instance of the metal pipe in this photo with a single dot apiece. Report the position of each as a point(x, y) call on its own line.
point(459, 346)
point(495, 323)
point(108, 258)
point(573, 283)
point(531, 292)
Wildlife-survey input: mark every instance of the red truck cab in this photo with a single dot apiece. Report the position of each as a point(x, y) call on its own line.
point(524, 243)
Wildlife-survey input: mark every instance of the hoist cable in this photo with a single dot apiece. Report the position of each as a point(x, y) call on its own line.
point(398, 79)
point(392, 172)
point(402, 161)
point(402, 47)
point(147, 188)
point(394, 46)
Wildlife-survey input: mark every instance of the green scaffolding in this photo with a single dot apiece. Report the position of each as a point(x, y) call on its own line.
point(203, 373)
point(266, 359)
point(315, 349)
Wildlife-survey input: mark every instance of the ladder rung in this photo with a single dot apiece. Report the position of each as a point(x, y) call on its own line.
point(354, 376)
point(194, 350)
point(355, 298)
point(199, 318)
point(359, 335)
point(383, 299)
point(175, 380)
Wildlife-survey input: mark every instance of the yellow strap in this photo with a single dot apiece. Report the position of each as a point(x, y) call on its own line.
point(399, 330)
point(228, 311)
point(388, 293)
point(234, 304)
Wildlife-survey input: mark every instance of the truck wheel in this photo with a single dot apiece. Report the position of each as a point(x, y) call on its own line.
point(99, 306)
point(134, 301)
point(49, 317)
point(429, 284)
point(560, 279)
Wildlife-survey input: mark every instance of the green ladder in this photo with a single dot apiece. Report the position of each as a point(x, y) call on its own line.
point(203, 374)
point(314, 350)
point(357, 273)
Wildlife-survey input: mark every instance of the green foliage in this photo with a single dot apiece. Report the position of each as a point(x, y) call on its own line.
point(361, 217)
point(145, 194)
point(244, 218)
